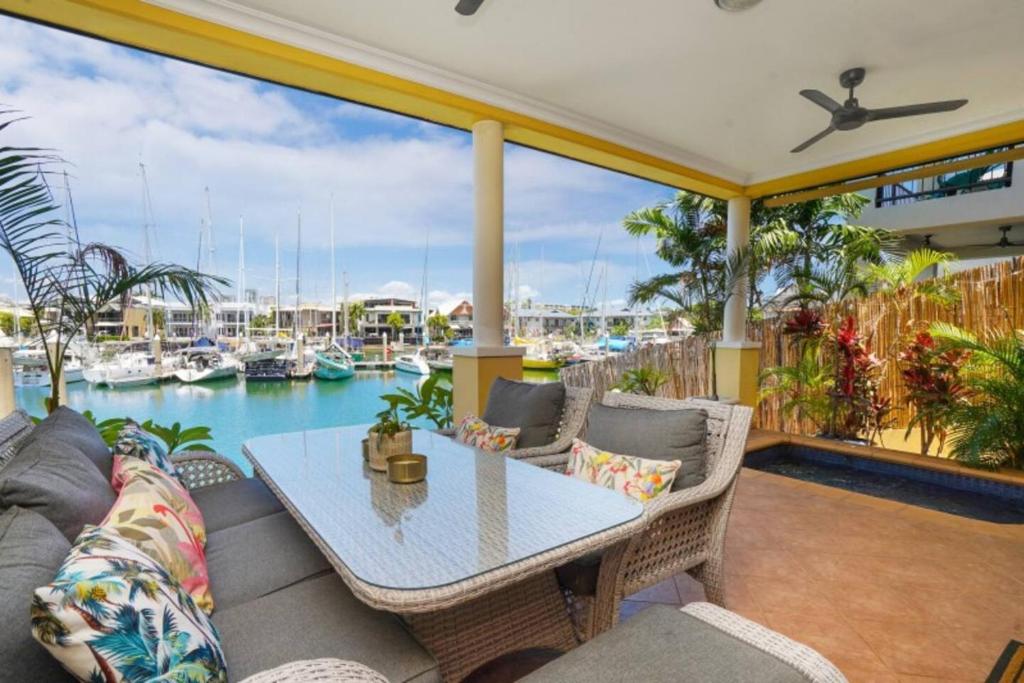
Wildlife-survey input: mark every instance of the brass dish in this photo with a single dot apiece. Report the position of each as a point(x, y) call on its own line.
point(407, 468)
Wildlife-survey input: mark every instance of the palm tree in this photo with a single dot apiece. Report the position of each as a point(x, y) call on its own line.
point(68, 282)
point(356, 311)
point(691, 234)
point(396, 323)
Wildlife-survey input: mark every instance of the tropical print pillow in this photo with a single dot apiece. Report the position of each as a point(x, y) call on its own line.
point(114, 614)
point(155, 514)
point(135, 442)
point(637, 478)
point(473, 431)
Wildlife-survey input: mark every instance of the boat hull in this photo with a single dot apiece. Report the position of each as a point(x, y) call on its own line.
point(411, 368)
point(329, 373)
point(542, 364)
point(207, 375)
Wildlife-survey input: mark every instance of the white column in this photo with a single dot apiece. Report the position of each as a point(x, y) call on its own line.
point(734, 330)
point(488, 234)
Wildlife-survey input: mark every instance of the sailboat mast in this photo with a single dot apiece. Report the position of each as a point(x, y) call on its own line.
point(604, 312)
point(424, 296)
point(344, 312)
point(298, 275)
point(242, 315)
point(277, 283)
point(147, 210)
point(334, 280)
point(211, 252)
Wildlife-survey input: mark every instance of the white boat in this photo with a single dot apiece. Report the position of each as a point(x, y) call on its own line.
point(206, 363)
point(250, 351)
point(31, 370)
point(414, 364)
point(128, 369)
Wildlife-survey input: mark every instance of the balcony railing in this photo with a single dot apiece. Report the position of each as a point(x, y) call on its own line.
point(989, 177)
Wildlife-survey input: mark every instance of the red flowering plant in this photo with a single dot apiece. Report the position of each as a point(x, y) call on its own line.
point(934, 387)
point(858, 409)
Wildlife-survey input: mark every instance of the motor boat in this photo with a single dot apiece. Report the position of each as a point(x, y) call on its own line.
point(414, 364)
point(204, 362)
point(649, 337)
point(267, 370)
point(125, 370)
point(250, 351)
point(334, 362)
point(32, 370)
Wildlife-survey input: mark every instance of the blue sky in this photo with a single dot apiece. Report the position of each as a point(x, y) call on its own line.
point(267, 151)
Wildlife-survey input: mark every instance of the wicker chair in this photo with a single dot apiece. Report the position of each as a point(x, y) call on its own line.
point(574, 418)
point(685, 529)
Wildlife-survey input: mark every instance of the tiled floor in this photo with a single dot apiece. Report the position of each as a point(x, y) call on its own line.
point(888, 592)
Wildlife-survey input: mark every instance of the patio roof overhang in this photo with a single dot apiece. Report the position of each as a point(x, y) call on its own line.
point(345, 51)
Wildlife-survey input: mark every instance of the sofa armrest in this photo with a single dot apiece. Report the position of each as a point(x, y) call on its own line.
point(319, 670)
point(203, 468)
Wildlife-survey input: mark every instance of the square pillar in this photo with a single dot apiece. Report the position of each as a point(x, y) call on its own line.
point(739, 365)
point(473, 372)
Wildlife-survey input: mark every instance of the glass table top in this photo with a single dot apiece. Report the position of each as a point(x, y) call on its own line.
point(475, 511)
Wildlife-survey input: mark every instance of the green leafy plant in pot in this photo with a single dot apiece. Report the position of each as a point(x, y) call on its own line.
point(430, 400)
point(390, 435)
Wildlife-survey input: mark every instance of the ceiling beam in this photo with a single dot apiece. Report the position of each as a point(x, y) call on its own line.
point(894, 178)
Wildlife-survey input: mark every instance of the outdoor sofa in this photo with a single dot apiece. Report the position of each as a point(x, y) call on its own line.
point(277, 598)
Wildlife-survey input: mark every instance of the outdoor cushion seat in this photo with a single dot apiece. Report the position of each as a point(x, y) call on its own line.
point(702, 642)
point(58, 481)
point(314, 619)
point(231, 503)
point(31, 551)
point(71, 427)
point(536, 409)
point(250, 560)
point(655, 435)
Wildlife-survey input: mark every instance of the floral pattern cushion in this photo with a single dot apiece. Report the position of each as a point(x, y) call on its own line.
point(114, 614)
point(637, 478)
point(155, 514)
point(135, 442)
point(473, 431)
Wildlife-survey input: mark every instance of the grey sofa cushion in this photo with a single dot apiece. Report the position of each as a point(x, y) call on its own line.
point(663, 645)
point(253, 559)
point(31, 550)
point(56, 480)
point(71, 427)
point(235, 502)
point(536, 409)
point(654, 434)
point(319, 618)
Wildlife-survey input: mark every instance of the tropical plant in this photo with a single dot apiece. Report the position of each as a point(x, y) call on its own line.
point(643, 380)
point(934, 387)
point(178, 439)
point(619, 329)
point(438, 325)
point(108, 429)
point(356, 311)
point(389, 422)
point(396, 322)
point(988, 430)
point(261, 322)
point(67, 281)
point(430, 400)
point(691, 234)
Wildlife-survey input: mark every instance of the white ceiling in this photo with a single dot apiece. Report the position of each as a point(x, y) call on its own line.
point(680, 78)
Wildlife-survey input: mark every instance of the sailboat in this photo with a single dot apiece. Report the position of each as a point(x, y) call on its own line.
point(204, 362)
point(302, 360)
point(334, 362)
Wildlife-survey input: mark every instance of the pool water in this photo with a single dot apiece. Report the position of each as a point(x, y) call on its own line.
point(951, 493)
point(236, 410)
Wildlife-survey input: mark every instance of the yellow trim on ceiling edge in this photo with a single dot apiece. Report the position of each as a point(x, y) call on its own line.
point(135, 23)
point(937, 150)
point(145, 26)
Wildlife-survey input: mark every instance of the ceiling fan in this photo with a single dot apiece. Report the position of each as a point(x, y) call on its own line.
point(1004, 240)
point(850, 115)
point(468, 8)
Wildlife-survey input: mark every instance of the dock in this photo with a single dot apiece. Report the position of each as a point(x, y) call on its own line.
point(375, 365)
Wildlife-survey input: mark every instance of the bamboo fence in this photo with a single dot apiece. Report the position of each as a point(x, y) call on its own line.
point(991, 301)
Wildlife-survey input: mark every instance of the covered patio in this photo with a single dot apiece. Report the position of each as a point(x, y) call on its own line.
point(699, 98)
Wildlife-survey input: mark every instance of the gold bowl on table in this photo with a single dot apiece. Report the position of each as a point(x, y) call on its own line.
point(407, 468)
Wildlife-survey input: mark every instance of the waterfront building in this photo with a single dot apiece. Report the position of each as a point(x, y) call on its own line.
point(374, 323)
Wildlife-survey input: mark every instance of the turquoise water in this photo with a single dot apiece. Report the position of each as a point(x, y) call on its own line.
point(236, 410)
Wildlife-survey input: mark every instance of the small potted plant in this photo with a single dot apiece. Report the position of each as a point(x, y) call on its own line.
point(390, 435)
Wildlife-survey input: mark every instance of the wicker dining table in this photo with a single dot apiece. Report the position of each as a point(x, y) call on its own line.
point(466, 557)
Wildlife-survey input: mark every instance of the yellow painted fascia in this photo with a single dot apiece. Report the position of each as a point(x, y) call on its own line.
point(956, 145)
point(164, 31)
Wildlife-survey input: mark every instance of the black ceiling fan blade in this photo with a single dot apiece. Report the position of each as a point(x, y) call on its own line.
point(822, 100)
point(914, 110)
point(807, 143)
point(468, 8)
